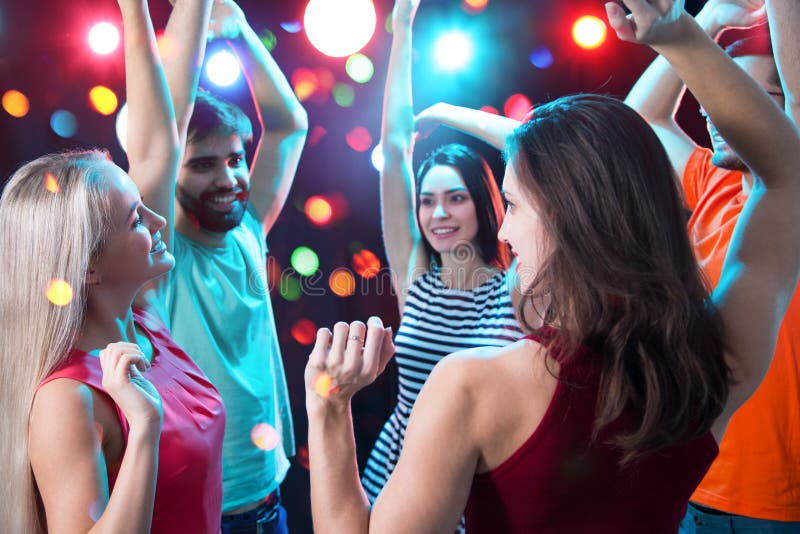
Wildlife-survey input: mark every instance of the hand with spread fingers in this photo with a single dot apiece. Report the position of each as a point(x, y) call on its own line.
point(347, 359)
point(650, 22)
point(123, 364)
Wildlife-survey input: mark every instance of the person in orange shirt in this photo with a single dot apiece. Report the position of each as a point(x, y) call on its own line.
point(755, 481)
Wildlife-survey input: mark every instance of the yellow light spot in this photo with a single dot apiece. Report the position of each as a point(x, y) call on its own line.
point(15, 103)
point(103, 100)
point(322, 385)
point(264, 436)
point(59, 292)
point(50, 183)
point(342, 282)
point(166, 47)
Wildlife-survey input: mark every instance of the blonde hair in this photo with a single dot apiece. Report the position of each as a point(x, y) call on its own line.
point(54, 215)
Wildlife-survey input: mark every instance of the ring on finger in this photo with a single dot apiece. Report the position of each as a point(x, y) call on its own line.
point(356, 338)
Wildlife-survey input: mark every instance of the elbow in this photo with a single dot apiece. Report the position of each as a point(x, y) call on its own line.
point(299, 119)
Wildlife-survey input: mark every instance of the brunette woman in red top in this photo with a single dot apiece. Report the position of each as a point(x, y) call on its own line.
point(606, 419)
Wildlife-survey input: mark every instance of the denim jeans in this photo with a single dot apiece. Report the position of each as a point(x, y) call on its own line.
point(699, 521)
point(265, 519)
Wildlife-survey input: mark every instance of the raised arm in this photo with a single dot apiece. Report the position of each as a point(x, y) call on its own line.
point(784, 19)
point(152, 138)
point(283, 120)
point(761, 269)
point(429, 488)
point(488, 127)
point(658, 91)
point(401, 234)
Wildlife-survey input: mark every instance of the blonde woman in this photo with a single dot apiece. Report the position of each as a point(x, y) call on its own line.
point(110, 427)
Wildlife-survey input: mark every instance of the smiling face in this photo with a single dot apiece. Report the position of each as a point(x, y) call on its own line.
point(763, 70)
point(133, 252)
point(522, 229)
point(214, 182)
point(447, 213)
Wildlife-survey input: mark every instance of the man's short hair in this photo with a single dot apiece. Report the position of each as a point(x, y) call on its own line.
point(754, 41)
point(214, 116)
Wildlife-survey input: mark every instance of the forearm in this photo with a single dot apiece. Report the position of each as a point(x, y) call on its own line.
point(130, 505)
point(784, 20)
point(488, 127)
point(338, 502)
point(277, 106)
point(151, 133)
point(185, 38)
point(397, 121)
point(742, 112)
point(658, 91)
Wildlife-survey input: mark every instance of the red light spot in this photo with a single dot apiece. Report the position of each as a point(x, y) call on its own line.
point(366, 264)
point(359, 139)
point(517, 107)
point(490, 109)
point(304, 331)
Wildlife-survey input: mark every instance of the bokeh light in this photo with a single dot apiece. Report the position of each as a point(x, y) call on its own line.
point(305, 261)
point(122, 126)
point(359, 139)
point(360, 68)
point(305, 83)
point(541, 57)
point(474, 6)
point(318, 210)
point(339, 28)
point(490, 109)
point(223, 68)
point(15, 103)
point(59, 292)
point(103, 100)
point(264, 436)
point(377, 157)
point(63, 123)
point(51, 183)
point(366, 264)
point(269, 40)
point(323, 385)
point(103, 38)
point(342, 282)
point(589, 32)
point(517, 107)
point(344, 95)
point(452, 51)
point(304, 331)
point(292, 26)
point(166, 46)
point(315, 135)
point(290, 288)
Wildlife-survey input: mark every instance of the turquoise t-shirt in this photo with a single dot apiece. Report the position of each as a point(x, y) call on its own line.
point(220, 313)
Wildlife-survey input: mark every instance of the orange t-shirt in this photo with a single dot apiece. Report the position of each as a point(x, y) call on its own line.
point(757, 472)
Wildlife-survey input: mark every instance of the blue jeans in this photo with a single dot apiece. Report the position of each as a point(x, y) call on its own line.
point(699, 521)
point(266, 519)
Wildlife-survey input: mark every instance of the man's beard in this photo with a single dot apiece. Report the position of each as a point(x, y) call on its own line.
point(728, 160)
point(207, 218)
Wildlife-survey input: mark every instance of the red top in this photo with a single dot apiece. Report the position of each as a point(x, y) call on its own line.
point(189, 485)
point(559, 482)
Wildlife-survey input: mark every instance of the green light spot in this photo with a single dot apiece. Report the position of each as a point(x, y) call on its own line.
point(360, 68)
point(305, 261)
point(344, 95)
point(269, 39)
point(290, 288)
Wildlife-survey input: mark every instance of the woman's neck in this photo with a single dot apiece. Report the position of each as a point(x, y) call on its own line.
point(464, 269)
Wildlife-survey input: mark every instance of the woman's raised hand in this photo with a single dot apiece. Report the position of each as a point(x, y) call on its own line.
point(650, 22)
point(123, 364)
point(347, 359)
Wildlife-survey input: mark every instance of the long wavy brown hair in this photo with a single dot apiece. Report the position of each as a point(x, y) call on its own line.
point(621, 274)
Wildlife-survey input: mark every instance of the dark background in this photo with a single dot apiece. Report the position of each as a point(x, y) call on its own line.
point(43, 53)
